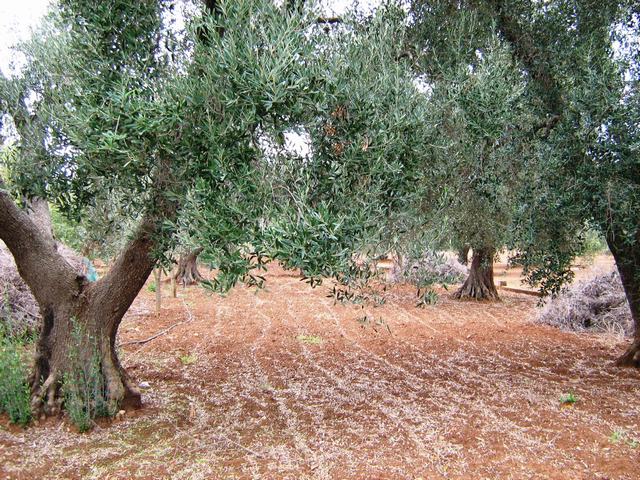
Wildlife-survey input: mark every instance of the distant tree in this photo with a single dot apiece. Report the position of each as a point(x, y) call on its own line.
point(187, 268)
point(479, 113)
point(583, 61)
point(580, 63)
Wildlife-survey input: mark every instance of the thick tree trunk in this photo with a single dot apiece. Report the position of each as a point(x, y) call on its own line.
point(628, 262)
point(187, 272)
point(73, 340)
point(479, 284)
point(463, 254)
point(95, 311)
point(67, 301)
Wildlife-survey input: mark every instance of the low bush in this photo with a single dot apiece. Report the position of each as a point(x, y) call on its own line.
point(15, 395)
point(597, 304)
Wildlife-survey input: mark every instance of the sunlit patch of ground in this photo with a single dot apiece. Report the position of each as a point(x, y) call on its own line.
point(282, 383)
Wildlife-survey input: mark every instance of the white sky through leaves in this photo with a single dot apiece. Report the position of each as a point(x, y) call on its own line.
point(18, 17)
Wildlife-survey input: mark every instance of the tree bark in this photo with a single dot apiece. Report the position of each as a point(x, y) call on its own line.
point(479, 284)
point(69, 302)
point(187, 272)
point(463, 254)
point(627, 259)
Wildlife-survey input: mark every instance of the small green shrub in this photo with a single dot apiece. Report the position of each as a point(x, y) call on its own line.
point(568, 398)
point(618, 436)
point(188, 359)
point(83, 386)
point(426, 297)
point(15, 394)
point(152, 287)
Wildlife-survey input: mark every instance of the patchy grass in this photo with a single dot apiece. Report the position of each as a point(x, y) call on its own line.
point(622, 436)
point(188, 359)
point(568, 398)
point(310, 339)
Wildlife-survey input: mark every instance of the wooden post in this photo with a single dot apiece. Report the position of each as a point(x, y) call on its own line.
point(158, 274)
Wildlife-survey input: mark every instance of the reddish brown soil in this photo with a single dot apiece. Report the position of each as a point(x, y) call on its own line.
point(282, 383)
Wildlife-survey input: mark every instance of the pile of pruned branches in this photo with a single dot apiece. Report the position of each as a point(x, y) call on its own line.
point(19, 312)
point(429, 269)
point(597, 304)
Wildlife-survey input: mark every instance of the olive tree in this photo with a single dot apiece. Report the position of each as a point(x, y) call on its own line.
point(579, 61)
point(165, 130)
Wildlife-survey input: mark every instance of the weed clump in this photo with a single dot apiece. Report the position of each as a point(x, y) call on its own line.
point(597, 304)
point(83, 385)
point(15, 394)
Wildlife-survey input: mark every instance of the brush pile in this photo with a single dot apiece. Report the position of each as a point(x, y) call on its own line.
point(597, 304)
point(431, 268)
point(19, 312)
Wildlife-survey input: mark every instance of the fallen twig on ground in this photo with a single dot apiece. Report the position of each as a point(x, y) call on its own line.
point(190, 318)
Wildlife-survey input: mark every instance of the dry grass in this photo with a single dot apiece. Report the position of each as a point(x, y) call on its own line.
point(594, 304)
point(18, 309)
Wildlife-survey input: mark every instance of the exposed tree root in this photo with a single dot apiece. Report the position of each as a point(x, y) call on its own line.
point(631, 357)
point(476, 291)
point(479, 284)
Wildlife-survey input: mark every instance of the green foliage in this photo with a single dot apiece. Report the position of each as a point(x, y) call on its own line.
point(583, 158)
point(188, 359)
point(367, 164)
point(151, 287)
point(83, 385)
point(593, 244)
point(426, 297)
point(69, 232)
point(480, 112)
point(15, 394)
point(568, 398)
point(622, 436)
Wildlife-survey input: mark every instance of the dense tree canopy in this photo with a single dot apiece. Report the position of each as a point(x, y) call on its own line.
point(579, 62)
point(124, 119)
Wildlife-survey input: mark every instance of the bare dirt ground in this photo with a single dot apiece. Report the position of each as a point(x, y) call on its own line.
point(512, 276)
point(282, 383)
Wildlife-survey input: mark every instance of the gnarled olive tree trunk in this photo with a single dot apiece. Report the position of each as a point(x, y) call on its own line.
point(463, 254)
point(187, 272)
point(628, 262)
point(68, 301)
point(479, 284)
